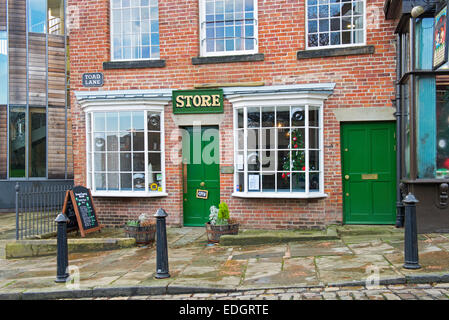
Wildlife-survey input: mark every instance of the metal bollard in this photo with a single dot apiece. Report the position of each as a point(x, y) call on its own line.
point(161, 245)
point(411, 258)
point(62, 249)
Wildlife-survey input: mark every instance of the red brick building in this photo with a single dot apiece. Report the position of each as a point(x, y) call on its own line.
point(297, 79)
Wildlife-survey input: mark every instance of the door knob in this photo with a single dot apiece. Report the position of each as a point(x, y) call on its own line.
point(347, 177)
point(202, 184)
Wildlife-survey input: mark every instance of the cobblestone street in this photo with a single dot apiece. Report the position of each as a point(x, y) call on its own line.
point(390, 292)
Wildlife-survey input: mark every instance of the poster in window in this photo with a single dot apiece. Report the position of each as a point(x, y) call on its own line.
point(439, 39)
point(253, 182)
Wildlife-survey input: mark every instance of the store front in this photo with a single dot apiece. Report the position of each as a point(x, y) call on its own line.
point(422, 99)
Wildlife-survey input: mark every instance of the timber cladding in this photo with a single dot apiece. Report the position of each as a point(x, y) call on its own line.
point(365, 80)
point(2, 15)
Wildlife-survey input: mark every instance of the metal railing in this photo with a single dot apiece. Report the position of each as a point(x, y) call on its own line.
point(37, 208)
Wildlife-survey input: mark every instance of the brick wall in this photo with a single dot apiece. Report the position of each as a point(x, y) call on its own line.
point(361, 81)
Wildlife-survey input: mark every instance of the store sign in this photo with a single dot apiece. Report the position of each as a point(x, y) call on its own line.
point(197, 101)
point(93, 79)
point(440, 49)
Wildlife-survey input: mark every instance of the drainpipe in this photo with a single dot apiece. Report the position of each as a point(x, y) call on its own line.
point(398, 115)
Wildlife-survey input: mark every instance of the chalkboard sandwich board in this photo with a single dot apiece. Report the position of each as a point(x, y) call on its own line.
point(80, 209)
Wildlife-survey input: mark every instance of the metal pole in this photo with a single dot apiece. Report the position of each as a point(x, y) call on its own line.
point(17, 210)
point(62, 249)
point(161, 245)
point(411, 259)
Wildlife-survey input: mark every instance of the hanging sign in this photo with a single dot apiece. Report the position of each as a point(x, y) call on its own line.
point(80, 209)
point(198, 101)
point(202, 194)
point(440, 49)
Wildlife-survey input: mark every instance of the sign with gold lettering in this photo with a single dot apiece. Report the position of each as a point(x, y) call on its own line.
point(198, 101)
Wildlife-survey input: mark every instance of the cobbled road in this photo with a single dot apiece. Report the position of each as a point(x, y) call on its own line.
point(388, 292)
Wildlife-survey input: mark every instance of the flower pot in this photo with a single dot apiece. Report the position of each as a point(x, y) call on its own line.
point(214, 232)
point(143, 235)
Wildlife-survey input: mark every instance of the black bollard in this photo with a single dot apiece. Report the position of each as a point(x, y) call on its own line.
point(161, 245)
point(411, 235)
point(62, 249)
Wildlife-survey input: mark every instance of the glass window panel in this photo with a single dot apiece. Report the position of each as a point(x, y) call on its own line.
point(346, 9)
point(99, 142)
point(154, 121)
point(336, 24)
point(254, 117)
point(154, 162)
point(139, 181)
point(99, 122)
point(56, 17)
point(358, 36)
point(298, 160)
point(253, 161)
point(314, 182)
point(298, 117)
point(282, 117)
point(268, 138)
point(268, 160)
point(126, 181)
point(125, 162)
point(249, 44)
point(253, 182)
point(125, 142)
point(298, 182)
point(323, 11)
point(324, 39)
point(38, 143)
point(284, 161)
point(17, 142)
point(253, 139)
point(112, 121)
point(312, 12)
point(283, 182)
point(100, 181)
point(154, 141)
point(241, 139)
point(314, 115)
point(99, 161)
point(335, 38)
point(240, 118)
point(37, 16)
point(335, 10)
point(346, 37)
point(268, 117)
point(314, 138)
point(324, 25)
point(112, 142)
point(3, 68)
point(138, 120)
point(314, 160)
point(155, 182)
point(138, 141)
point(313, 40)
point(283, 138)
point(358, 8)
point(268, 182)
point(112, 163)
point(219, 45)
point(240, 187)
point(138, 161)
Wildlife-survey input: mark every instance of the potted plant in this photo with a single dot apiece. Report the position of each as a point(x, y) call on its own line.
point(220, 223)
point(143, 229)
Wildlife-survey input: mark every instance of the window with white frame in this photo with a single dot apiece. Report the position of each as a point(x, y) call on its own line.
point(228, 27)
point(278, 150)
point(125, 152)
point(134, 29)
point(333, 23)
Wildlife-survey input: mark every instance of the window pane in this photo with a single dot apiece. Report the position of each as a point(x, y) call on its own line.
point(126, 181)
point(283, 138)
point(17, 141)
point(283, 116)
point(154, 121)
point(112, 161)
point(314, 182)
point(138, 161)
point(284, 161)
point(240, 187)
point(139, 181)
point(99, 122)
point(268, 182)
point(138, 120)
point(3, 68)
point(154, 141)
point(125, 142)
point(125, 162)
point(154, 162)
point(268, 160)
point(99, 162)
point(253, 161)
point(112, 142)
point(298, 160)
point(253, 182)
point(268, 117)
point(56, 17)
point(138, 141)
point(314, 138)
point(155, 182)
point(298, 118)
point(283, 181)
point(268, 138)
point(100, 142)
point(254, 117)
point(100, 181)
point(240, 118)
point(38, 144)
point(37, 16)
point(113, 181)
point(298, 182)
point(314, 160)
point(253, 139)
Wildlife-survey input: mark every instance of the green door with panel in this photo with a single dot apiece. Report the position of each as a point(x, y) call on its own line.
point(201, 171)
point(369, 172)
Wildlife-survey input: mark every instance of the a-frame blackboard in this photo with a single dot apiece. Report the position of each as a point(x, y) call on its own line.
point(80, 209)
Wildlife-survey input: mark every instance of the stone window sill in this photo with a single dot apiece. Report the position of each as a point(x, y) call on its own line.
point(228, 59)
point(133, 64)
point(335, 52)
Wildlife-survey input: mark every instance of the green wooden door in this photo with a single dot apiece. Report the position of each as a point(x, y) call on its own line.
point(369, 172)
point(201, 171)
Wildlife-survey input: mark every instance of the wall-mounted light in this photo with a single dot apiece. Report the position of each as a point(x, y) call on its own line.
point(417, 11)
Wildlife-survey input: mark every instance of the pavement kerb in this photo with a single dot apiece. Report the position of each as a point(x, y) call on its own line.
point(174, 290)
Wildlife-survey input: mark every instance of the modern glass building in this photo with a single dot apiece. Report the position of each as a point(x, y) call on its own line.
point(35, 129)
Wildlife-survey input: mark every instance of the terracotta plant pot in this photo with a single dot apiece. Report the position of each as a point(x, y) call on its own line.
point(215, 232)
